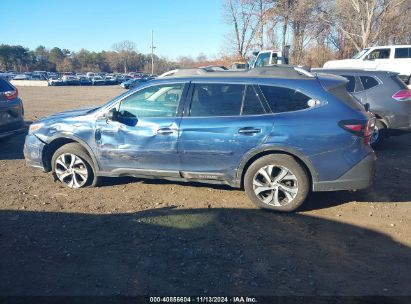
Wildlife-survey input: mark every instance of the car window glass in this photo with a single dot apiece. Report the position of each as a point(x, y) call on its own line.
point(350, 86)
point(263, 59)
point(282, 99)
point(403, 53)
point(368, 82)
point(217, 100)
point(154, 101)
point(379, 54)
point(252, 104)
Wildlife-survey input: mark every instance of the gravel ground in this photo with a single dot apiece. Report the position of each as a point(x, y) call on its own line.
point(133, 236)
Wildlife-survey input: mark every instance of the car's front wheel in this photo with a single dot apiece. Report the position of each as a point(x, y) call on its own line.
point(276, 182)
point(73, 167)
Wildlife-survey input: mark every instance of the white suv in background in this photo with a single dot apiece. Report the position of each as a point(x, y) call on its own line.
point(394, 58)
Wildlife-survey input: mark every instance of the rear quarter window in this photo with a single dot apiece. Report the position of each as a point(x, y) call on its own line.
point(282, 99)
point(368, 82)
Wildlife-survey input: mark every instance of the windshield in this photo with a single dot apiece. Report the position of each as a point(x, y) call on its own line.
point(359, 54)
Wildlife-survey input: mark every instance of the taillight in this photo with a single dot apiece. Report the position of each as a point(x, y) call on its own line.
point(360, 128)
point(402, 95)
point(11, 94)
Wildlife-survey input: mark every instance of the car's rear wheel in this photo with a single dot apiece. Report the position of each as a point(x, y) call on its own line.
point(379, 134)
point(276, 182)
point(73, 167)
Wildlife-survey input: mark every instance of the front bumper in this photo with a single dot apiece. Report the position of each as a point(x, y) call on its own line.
point(33, 152)
point(358, 177)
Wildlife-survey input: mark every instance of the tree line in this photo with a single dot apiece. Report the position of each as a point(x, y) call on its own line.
point(123, 58)
point(316, 30)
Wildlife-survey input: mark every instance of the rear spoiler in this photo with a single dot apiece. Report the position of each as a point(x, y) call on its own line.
point(330, 81)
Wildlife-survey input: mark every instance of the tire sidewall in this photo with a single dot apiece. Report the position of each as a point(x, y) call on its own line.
point(279, 160)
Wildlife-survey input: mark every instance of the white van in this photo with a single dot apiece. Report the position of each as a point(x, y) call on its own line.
point(394, 58)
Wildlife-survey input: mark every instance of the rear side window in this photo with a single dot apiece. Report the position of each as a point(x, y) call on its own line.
point(225, 100)
point(4, 86)
point(217, 100)
point(350, 86)
point(368, 82)
point(403, 53)
point(282, 99)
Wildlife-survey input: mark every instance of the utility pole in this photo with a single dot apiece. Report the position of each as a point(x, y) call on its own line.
point(152, 52)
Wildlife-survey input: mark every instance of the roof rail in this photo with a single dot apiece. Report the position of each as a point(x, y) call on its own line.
point(273, 71)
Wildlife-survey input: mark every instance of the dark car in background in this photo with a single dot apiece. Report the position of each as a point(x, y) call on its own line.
point(84, 81)
point(387, 95)
point(11, 110)
point(98, 80)
point(70, 80)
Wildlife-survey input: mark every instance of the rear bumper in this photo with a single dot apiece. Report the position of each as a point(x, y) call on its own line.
point(358, 177)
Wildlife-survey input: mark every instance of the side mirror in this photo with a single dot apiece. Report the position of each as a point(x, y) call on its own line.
point(112, 115)
point(367, 107)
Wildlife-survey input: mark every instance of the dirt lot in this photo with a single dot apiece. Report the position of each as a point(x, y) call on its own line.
point(133, 237)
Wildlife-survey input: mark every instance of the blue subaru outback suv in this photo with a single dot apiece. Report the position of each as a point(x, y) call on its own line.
point(278, 132)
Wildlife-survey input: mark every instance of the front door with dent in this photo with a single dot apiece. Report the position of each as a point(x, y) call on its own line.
point(143, 138)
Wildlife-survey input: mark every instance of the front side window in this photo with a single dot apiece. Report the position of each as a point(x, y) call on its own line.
point(263, 59)
point(350, 86)
point(379, 54)
point(154, 101)
point(368, 82)
point(403, 53)
point(282, 99)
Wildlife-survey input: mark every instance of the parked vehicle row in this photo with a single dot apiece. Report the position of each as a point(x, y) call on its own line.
point(69, 78)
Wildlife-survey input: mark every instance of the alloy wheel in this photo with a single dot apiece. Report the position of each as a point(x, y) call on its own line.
point(71, 170)
point(275, 185)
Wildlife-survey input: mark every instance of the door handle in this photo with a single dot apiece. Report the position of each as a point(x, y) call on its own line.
point(249, 131)
point(165, 131)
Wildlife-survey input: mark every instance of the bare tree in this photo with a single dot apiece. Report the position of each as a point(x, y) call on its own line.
point(364, 22)
point(126, 50)
point(241, 15)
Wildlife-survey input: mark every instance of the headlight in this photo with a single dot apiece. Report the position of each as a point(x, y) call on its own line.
point(35, 127)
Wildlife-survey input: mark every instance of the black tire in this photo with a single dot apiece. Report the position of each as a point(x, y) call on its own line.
point(380, 133)
point(79, 151)
point(302, 181)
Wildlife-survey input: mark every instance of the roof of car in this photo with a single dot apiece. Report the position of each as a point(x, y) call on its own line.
point(275, 71)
